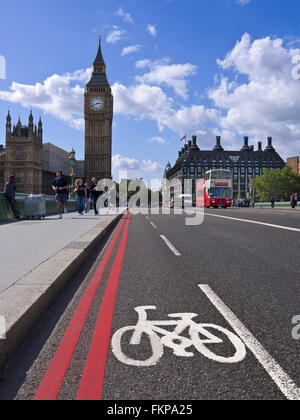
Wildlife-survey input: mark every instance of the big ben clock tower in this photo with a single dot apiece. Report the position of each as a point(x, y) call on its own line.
point(98, 113)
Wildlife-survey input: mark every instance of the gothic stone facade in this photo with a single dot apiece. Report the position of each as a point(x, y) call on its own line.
point(98, 111)
point(23, 156)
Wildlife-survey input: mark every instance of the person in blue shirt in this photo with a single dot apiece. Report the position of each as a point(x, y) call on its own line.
point(61, 189)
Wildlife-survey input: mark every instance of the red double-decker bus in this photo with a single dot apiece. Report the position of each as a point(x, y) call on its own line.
point(217, 188)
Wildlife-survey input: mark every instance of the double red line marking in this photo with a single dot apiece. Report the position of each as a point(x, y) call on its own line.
point(93, 376)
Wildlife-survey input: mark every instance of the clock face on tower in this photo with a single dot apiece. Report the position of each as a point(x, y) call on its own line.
point(97, 104)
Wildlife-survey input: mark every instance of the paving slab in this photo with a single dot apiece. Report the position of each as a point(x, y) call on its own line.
point(27, 244)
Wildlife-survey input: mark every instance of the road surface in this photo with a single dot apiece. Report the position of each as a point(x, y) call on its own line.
point(233, 282)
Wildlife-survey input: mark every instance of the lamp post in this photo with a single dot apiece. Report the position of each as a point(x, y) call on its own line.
point(251, 190)
point(72, 161)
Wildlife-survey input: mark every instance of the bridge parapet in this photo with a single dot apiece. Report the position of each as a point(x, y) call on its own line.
point(51, 209)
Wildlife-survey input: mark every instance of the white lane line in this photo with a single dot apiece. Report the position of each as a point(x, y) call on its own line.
point(172, 248)
point(147, 218)
point(254, 222)
point(278, 375)
point(153, 225)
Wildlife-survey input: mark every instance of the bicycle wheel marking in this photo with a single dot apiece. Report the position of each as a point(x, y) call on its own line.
point(181, 345)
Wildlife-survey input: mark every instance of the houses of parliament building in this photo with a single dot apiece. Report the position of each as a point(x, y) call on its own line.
point(34, 164)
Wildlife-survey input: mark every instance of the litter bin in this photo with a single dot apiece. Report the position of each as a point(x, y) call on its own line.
point(35, 206)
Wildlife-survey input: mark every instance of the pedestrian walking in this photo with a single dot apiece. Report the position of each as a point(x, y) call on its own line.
point(10, 194)
point(88, 195)
point(61, 189)
point(94, 195)
point(81, 195)
point(273, 203)
point(294, 200)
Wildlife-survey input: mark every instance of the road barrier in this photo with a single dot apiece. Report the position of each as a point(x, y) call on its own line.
point(51, 208)
point(278, 205)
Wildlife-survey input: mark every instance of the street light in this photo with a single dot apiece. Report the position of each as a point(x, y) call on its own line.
point(73, 162)
point(251, 189)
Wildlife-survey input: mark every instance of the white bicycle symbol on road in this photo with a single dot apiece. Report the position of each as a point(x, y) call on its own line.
point(174, 340)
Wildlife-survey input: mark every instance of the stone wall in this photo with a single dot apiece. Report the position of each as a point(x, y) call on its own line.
point(51, 209)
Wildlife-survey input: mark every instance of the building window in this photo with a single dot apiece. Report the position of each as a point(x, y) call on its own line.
point(19, 177)
point(19, 154)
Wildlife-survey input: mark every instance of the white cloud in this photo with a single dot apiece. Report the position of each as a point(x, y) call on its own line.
point(150, 102)
point(268, 103)
point(158, 140)
point(115, 35)
point(131, 49)
point(122, 163)
point(243, 2)
point(56, 96)
point(126, 16)
point(62, 98)
point(172, 75)
point(150, 167)
point(141, 64)
point(264, 102)
point(152, 30)
point(135, 168)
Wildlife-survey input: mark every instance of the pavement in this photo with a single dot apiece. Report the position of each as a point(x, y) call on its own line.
point(233, 281)
point(26, 244)
point(40, 259)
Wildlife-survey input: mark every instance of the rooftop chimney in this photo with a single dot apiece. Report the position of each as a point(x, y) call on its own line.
point(190, 143)
point(270, 147)
point(218, 144)
point(246, 143)
point(194, 143)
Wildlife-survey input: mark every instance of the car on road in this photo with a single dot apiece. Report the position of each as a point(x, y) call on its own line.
point(183, 201)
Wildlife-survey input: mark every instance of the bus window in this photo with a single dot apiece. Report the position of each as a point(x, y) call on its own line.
point(221, 175)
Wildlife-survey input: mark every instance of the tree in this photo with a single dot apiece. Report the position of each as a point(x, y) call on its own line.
point(278, 184)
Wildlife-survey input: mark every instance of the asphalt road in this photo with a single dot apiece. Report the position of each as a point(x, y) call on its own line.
point(237, 273)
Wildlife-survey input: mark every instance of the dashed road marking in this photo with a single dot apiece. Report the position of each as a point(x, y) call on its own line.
point(278, 375)
point(153, 225)
point(172, 248)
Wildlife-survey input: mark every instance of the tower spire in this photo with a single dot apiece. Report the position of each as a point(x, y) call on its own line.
point(8, 124)
point(30, 123)
point(99, 64)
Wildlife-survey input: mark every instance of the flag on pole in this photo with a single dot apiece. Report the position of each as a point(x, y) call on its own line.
point(183, 138)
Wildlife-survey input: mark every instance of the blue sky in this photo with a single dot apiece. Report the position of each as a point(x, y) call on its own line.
point(176, 67)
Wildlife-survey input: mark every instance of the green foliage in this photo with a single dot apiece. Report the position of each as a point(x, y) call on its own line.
point(279, 184)
point(130, 194)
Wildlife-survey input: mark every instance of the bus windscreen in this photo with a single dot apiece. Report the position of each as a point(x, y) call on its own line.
point(220, 193)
